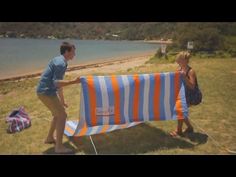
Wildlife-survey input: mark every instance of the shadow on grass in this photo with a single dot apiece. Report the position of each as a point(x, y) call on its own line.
point(139, 139)
point(197, 137)
point(51, 151)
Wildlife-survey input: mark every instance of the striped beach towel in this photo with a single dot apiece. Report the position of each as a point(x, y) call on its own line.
point(114, 102)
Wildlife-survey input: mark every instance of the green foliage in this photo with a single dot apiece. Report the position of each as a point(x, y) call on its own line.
point(158, 53)
point(129, 69)
point(205, 39)
point(160, 58)
point(127, 31)
point(232, 52)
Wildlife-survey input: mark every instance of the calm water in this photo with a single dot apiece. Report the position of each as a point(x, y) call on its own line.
point(19, 56)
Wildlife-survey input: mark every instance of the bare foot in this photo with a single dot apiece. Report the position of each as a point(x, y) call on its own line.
point(176, 133)
point(50, 141)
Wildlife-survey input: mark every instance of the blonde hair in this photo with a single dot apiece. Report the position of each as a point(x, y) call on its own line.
point(183, 55)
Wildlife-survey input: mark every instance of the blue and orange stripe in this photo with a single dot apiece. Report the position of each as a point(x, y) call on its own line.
point(116, 92)
point(92, 100)
point(136, 98)
point(178, 105)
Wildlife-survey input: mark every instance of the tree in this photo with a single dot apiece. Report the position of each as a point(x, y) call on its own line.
point(205, 38)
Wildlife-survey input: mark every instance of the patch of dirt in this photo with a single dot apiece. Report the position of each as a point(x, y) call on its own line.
point(11, 94)
point(234, 72)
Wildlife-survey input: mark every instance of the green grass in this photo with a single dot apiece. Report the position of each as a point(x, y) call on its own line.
point(216, 115)
point(161, 60)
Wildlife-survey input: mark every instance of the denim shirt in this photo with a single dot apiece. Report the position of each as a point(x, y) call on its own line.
point(54, 71)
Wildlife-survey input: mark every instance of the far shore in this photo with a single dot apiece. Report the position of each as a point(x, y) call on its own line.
point(103, 65)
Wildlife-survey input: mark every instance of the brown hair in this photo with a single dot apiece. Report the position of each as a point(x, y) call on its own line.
point(66, 46)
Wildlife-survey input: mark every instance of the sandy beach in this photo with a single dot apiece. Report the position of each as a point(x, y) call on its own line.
point(117, 64)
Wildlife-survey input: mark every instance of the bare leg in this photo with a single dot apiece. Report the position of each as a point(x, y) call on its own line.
point(187, 122)
point(60, 126)
point(179, 129)
point(180, 126)
point(189, 126)
point(50, 139)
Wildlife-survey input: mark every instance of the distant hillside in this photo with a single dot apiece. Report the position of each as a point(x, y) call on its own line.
point(96, 30)
point(206, 36)
point(127, 31)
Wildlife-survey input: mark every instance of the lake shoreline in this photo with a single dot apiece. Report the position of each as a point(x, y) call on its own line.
point(108, 64)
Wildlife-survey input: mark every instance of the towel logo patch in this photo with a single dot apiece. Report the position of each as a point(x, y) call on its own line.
point(108, 111)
